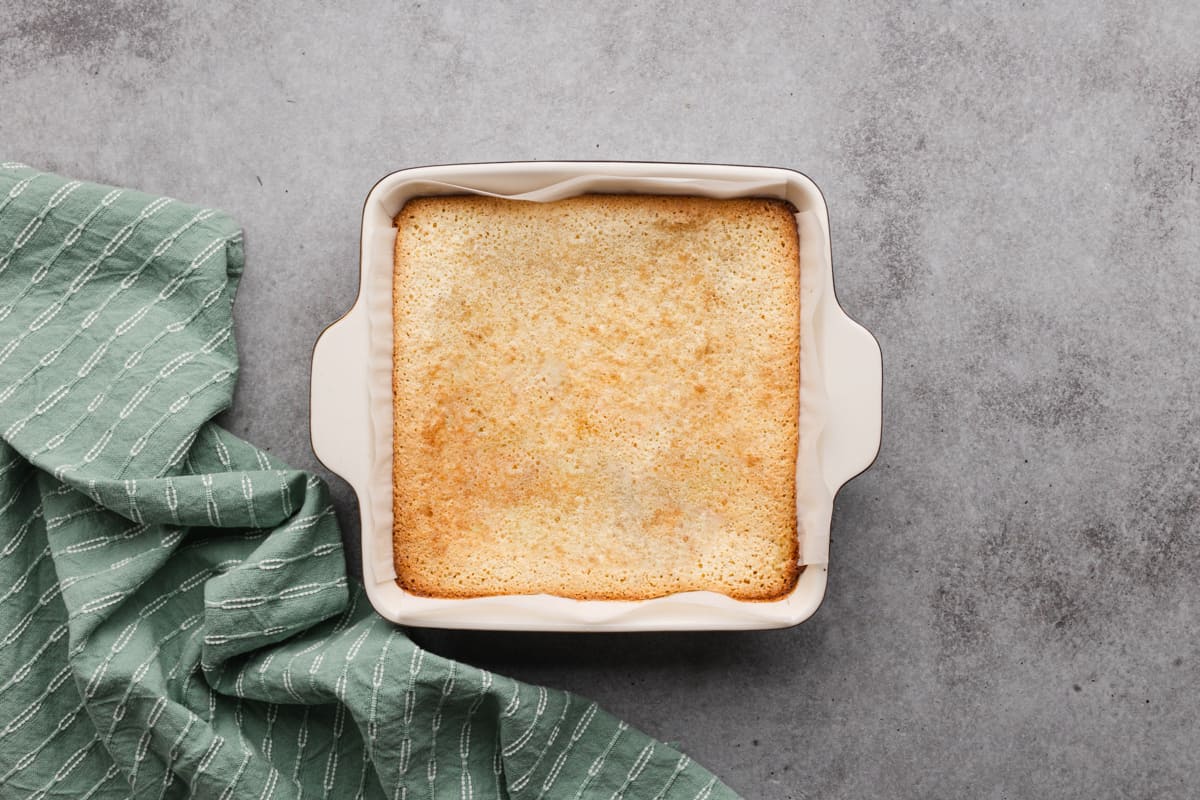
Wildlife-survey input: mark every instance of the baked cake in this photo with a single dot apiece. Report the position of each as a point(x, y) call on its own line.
point(596, 397)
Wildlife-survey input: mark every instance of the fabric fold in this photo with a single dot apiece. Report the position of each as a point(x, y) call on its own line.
point(176, 615)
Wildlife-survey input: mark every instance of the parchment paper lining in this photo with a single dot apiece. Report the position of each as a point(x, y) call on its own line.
point(813, 501)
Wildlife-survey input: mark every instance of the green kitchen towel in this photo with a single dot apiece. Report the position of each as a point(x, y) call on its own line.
point(176, 619)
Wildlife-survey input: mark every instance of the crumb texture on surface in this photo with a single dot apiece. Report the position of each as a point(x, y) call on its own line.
point(595, 397)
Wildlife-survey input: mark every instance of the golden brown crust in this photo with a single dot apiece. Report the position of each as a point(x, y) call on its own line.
point(595, 398)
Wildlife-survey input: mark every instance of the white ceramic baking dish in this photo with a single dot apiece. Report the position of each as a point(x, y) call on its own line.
point(840, 397)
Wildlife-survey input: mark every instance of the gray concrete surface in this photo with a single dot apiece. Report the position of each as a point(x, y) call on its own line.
point(1013, 603)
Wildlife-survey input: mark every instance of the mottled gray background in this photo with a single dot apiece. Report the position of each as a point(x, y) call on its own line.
point(1012, 608)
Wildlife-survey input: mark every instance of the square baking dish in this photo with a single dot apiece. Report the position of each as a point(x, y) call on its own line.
point(840, 396)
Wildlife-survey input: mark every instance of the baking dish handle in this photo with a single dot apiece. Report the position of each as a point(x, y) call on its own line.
point(338, 398)
point(854, 381)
